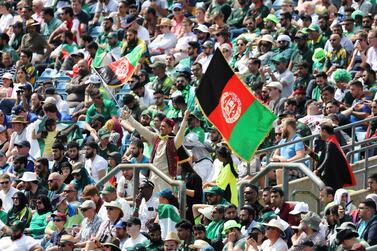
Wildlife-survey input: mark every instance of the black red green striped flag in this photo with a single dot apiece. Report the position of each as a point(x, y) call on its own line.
point(228, 104)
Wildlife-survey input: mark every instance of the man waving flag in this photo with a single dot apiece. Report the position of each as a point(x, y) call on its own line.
point(229, 105)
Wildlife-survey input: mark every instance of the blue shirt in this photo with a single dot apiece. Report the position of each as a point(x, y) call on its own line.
point(144, 160)
point(289, 151)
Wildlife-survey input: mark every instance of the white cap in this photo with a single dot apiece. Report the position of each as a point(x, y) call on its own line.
point(29, 176)
point(206, 212)
point(275, 84)
point(283, 37)
point(202, 28)
point(300, 207)
point(50, 100)
point(8, 75)
point(93, 79)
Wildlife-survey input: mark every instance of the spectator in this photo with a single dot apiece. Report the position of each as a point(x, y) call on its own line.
point(366, 227)
point(33, 190)
point(40, 217)
point(19, 211)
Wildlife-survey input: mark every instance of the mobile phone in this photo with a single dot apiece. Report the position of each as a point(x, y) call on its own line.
point(254, 236)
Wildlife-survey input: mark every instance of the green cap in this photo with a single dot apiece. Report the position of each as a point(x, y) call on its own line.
point(272, 18)
point(266, 217)
point(280, 58)
point(146, 112)
point(357, 13)
point(17, 226)
point(108, 189)
point(319, 55)
point(113, 34)
point(304, 30)
point(197, 114)
point(314, 27)
point(229, 225)
point(103, 133)
point(215, 190)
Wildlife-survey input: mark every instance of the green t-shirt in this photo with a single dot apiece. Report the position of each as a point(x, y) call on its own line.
point(108, 110)
point(214, 229)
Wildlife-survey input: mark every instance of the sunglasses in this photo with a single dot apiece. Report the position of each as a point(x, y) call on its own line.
point(15, 198)
point(68, 191)
point(4, 183)
point(84, 209)
point(58, 220)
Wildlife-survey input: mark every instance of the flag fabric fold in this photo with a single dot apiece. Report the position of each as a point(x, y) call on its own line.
point(229, 105)
point(168, 216)
point(120, 71)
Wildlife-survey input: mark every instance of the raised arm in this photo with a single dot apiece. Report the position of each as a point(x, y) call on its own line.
point(178, 140)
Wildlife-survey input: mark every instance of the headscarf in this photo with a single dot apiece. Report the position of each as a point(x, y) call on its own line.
point(338, 198)
point(86, 179)
point(47, 205)
point(20, 212)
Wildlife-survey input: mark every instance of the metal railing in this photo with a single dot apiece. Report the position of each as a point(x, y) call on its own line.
point(285, 166)
point(270, 150)
point(136, 176)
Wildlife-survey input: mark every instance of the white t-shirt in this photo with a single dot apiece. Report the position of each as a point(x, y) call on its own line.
point(7, 198)
point(148, 210)
point(133, 242)
point(288, 78)
point(143, 34)
point(93, 167)
point(163, 4)
point(205, 62)
point(25, 243)
point(5, 22)
point(279, 245)
point(372, 58)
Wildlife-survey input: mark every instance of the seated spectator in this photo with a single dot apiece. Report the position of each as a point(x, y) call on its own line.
point(20, 210)
point(18, 240)
point(40, 217)
point(366, 227)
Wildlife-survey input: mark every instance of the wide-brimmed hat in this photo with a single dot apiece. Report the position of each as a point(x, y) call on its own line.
point(319, 55)
point(67, 238)
point(165, 22)
point(29, 177)
point(266, 38)
point(312, 220)
point(275, 84)
point(275, 223)
point(172, 236)
point(113, 243)
point(31, 23)
point(19, 119)
point(198, 244)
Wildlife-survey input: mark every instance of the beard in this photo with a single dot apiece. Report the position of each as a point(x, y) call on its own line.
point(83, 73)
point(16, 236)
point(89, 155)
point(285, 134)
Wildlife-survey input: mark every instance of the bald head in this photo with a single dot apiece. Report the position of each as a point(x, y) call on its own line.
point(335, 41)
point(55, 181)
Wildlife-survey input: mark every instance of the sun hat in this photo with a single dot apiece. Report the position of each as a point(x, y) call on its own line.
point(206, 212)
point(319, 55)
point(271, 18)
point(275, 84)
point(172, 236)
point(29, 177)
point(311, 220)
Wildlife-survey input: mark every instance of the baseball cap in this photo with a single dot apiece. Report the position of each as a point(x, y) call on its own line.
point(229, 225)
point(108, 189)
point(166, 192)
point(314, 27)
point(23, 143)
point(177, 6)
point(207, 44)
point(300, 207)
point(202, 28)
point(8, 75)
point(88, 204)
point(283, 37)
point(214, 190)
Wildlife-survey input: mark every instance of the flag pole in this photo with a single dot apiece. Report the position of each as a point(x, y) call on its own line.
point(107, 88)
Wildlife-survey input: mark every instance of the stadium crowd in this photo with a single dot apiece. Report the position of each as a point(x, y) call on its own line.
point(62, 129)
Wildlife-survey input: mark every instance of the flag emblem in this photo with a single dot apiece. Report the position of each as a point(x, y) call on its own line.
point(231, 107)
point(122, 70)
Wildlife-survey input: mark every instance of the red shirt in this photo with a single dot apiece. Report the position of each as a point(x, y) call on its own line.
point(284, 213)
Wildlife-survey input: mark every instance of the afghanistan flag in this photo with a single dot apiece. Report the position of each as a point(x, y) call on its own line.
point(229, 105)
point(119, 72)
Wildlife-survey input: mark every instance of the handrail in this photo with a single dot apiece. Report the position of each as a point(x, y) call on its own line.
point(136, 170)
point(285, 166)
point(361, 122)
